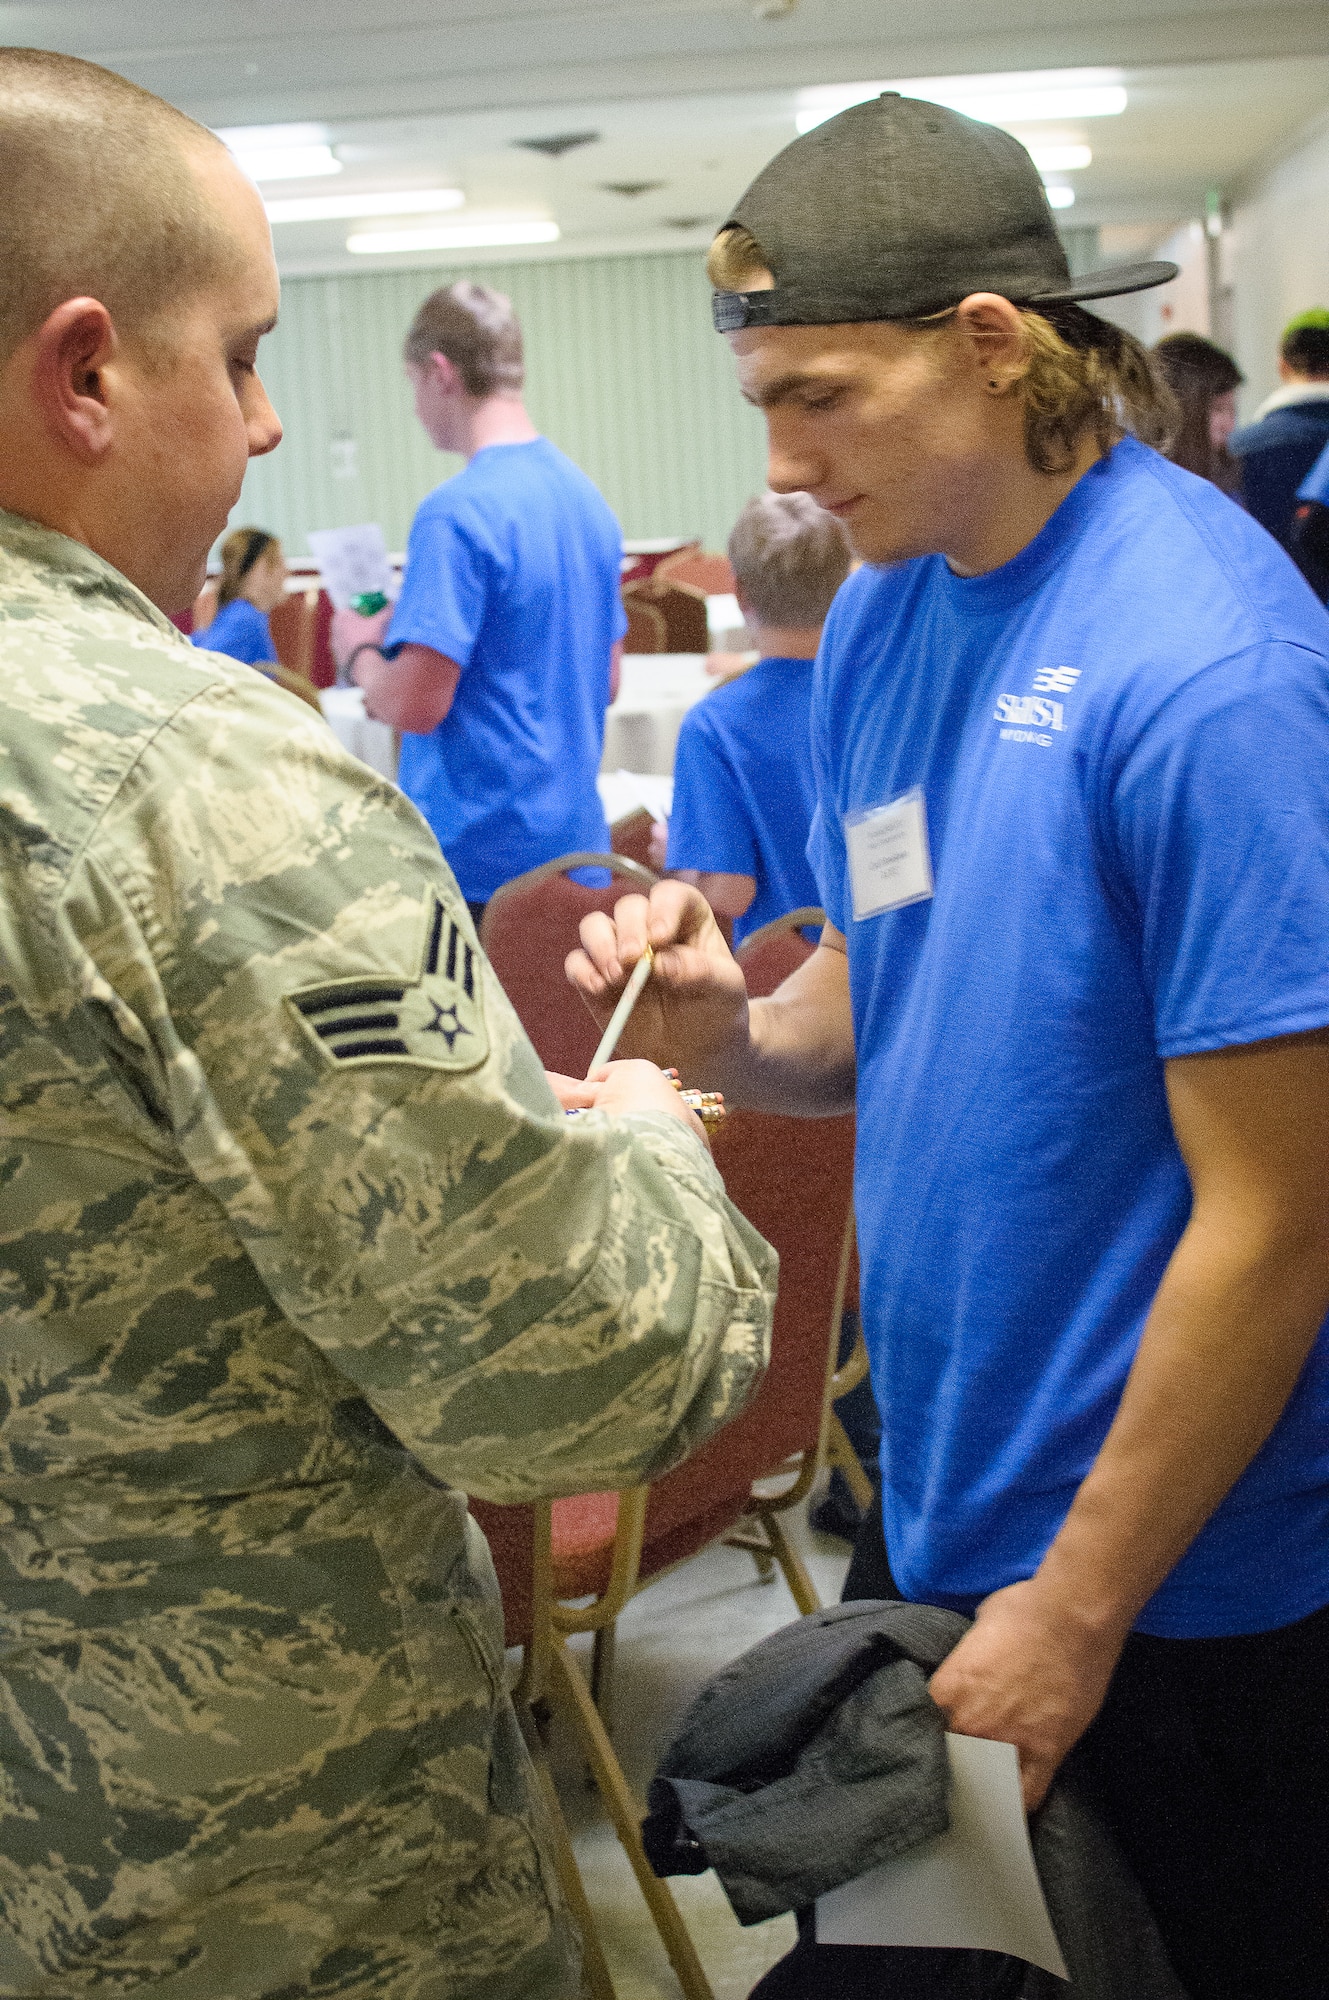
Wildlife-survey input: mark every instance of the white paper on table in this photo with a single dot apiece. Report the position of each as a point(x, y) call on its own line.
point(623, 792)
point(648, 790)
point(974, 1887)
point(354, 561)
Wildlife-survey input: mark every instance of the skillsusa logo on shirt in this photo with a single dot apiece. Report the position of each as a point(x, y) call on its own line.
point(1034, 713)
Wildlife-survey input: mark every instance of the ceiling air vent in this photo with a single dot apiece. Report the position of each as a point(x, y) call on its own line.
point(558, 143)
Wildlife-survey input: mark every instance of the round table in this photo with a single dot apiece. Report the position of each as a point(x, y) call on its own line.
point(656, 690)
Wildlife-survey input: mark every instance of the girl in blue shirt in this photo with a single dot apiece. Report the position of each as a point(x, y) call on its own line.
point(253, 583)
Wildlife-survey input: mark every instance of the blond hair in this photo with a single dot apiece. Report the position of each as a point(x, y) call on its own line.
point(100, 197)
point(789, 557)
point(477, 330)
point(1081, 373)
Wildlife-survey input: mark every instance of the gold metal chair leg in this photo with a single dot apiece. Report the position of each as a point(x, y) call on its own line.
point(602, 1673)
point(840, 1453)
point(597, 1983)
point(750, 1534)
point(568, 1686)
point(801, 1586)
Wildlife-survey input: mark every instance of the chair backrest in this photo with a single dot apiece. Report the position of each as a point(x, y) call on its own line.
point(292, 628)
point(684, 613)
point(529, 927)
point(510, 1533)
point(647, 631)
point(712, 575)
point(631, 835)
point(793, 1179)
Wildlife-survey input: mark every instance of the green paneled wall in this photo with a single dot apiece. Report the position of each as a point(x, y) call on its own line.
point(623, 372)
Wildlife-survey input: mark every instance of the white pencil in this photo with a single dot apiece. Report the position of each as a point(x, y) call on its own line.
point(618, 1020)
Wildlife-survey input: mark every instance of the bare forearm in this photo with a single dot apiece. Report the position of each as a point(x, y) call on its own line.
point(798, 1057)
point(413, 692)
point(1228, 1335)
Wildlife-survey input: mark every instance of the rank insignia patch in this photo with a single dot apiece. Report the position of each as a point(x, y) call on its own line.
point(437, 1019)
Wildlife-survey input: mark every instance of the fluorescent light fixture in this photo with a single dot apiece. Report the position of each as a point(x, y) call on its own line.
point(499, 232)
point(1033, 98)
point(1060, 159)
point(1059, 197)
point(1035, 105)
point(281, 152)
point(344, 207)
point(291, 163)
point(827, 100)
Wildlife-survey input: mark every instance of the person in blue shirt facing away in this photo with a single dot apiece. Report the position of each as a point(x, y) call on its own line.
point(743, 785)
point(252, 584)
point(501, 654)
point(1070, 727)
point(1291, 427)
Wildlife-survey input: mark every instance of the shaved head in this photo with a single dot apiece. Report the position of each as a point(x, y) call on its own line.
point(102, 198)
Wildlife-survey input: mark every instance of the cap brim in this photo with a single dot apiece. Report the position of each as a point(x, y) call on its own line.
point(1113, 283)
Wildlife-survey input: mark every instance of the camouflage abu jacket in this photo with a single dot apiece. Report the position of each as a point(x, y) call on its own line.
point(293, 1240)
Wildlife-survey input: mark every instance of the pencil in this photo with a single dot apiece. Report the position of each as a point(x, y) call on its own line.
point(618, 1020)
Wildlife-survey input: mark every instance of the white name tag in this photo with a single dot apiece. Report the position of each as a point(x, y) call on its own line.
point(889, 862)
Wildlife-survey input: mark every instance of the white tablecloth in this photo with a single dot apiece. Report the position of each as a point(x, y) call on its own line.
point(372, 742)
point(641, 727)
point(655, 693)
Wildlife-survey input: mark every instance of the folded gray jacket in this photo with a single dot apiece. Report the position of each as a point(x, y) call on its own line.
point(819, 1753)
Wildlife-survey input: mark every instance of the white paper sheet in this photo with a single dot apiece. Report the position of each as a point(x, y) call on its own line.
point(624, 792)
point(353, 561)
point(974, 1887)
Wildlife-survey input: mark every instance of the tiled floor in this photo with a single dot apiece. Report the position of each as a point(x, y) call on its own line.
point(670, 1640)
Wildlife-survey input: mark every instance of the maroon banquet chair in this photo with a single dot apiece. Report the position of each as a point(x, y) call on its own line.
point(529, 927)
point(793, 1179)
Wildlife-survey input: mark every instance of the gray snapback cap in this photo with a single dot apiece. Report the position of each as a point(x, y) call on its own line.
point(898, 208)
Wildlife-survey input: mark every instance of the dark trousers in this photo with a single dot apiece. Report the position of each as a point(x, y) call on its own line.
point(1210, 1760)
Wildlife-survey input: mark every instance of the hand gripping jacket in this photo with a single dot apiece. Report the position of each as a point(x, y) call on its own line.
point(296, 1248)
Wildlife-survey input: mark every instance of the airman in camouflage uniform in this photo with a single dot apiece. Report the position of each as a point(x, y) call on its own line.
point(296, 1248)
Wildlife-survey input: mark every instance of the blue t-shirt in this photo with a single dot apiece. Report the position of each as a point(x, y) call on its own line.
point(1315, 486)
point(1122, 742)
point(512, 570)
point(239, 630)
point(744, 791)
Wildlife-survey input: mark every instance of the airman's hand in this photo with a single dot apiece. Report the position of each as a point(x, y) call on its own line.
point(621, 1088)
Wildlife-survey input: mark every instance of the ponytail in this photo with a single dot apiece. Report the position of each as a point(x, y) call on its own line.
point(240, 551)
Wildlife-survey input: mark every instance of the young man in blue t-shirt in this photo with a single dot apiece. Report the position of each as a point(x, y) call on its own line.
point(743, 786)
point(500, 657)
point(1071, 731)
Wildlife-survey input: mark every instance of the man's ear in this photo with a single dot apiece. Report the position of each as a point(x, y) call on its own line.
point(447, 375)
point(991, 325)
point(71, 351)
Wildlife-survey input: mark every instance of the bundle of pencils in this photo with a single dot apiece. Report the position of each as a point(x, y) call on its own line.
point(709, 1105)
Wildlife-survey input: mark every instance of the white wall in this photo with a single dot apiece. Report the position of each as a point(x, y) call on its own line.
point(1182, 306)
point(1276, 256)
point(624, 371)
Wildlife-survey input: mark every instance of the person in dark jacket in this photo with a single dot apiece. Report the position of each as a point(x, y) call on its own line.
point(1310, 527)
point(1290, 429)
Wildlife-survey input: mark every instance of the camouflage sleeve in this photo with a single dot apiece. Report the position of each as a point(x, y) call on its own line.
point(293, 985)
